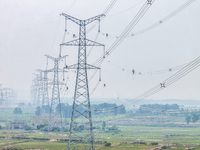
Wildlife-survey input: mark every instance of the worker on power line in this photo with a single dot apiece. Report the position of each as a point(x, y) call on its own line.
point(133, 71)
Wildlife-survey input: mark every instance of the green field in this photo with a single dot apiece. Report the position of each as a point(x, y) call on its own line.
point(129, 137)
point(134, 132)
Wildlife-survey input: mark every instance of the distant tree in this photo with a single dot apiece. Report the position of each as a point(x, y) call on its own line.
point(66, 111)
point(76, 128)
point(195, 118)
point(21, 104)
point(29, 104)
point(17, 110)
point(55, 129)
point(160, 106)
point(104, 125)
point(6, 125)
point(114, 127)
point(108, 144)
point(187, 118)
point(0, 127)
point(46, 108)
point(26, 127)
point(45, 129)
point(38, 111)
point(174, 106)
point(81, 127)
point(121, 109)
point(16, 127)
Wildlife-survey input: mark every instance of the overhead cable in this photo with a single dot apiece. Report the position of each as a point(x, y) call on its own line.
point(127, 30)
point(172, 79)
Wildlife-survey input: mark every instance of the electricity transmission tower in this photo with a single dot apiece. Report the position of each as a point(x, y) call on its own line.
point(55, 100)
point(34, 91)
point(44, 82)
point(6, 97)
point(81, 103)
point(1, 96)
point(38, 84)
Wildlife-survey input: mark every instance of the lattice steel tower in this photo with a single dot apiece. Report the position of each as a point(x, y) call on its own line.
point(55, 100)
point(81, 103)
point(38, 84)
point(34, 91)
point(45, 97)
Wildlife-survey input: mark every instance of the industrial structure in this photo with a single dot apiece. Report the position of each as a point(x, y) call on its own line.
point(81, 103)
point(55, 100)
point(6, 96)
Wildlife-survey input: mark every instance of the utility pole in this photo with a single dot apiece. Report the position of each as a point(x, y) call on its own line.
point(55, 101)
point(81, 103)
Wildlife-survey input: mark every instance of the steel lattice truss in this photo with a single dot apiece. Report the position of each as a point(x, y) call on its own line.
point(81, 104)
point(6, 96)
point(55, 100)
point(34, 91)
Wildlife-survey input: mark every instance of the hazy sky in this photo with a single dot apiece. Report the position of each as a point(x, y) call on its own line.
point(29, 29)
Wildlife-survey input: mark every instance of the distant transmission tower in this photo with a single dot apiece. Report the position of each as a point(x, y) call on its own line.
point(38, 81)
point(81, 104)
point(1, 96)
point(34, 91)
point(55, 101)
point(44, 79)
point(7, 95)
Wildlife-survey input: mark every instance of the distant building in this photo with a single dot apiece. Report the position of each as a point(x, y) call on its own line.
point(16, 125)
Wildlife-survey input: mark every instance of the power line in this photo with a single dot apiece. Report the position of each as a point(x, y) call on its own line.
point(172, 79)
point(127, 9)
point(71, 6)
point(106, 11)
point(127, 30)
point(166, 18)
point(170, 69)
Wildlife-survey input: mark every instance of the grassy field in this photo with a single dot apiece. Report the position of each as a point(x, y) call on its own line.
point(135, 132)
point(128, 138)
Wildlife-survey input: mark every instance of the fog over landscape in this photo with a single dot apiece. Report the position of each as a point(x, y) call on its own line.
point(99, 74)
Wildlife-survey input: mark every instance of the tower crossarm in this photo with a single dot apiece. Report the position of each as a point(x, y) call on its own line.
point(56, 59)
point(75, 20)
point(93, 18)
point(76, 66)
point(50, 70)
point(82, 22)
point(87, 42)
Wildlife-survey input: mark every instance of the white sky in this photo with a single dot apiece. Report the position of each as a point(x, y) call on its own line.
point(30, 29)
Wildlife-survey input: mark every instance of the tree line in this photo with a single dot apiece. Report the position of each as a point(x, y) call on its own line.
point(66, 109)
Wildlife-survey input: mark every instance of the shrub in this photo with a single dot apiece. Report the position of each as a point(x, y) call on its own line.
point(154, 143)
point(28, 127)
point(55, 129)
point(41, 139)
point(45, 129)
point(41, 126)
point(17, 111)
point(143, 143)
point(16, 127)
point(65, 129)
point(114, 128)
point(108, 144)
